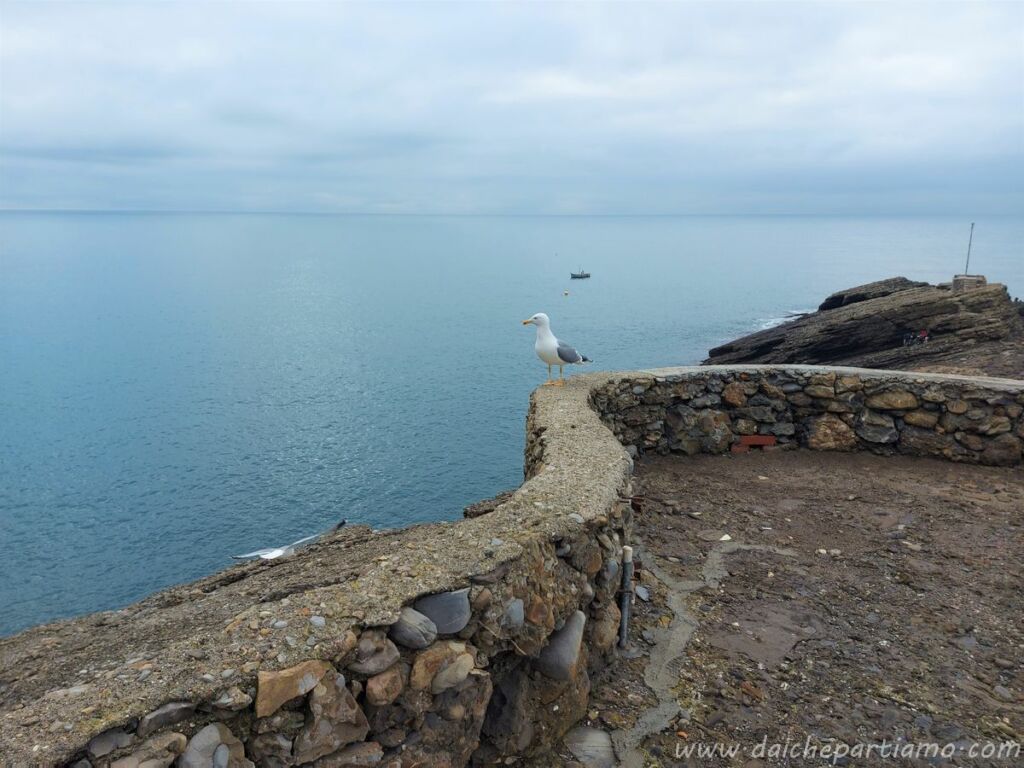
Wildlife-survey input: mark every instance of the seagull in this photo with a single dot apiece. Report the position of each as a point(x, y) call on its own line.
point(552, 351)
point(275, 552)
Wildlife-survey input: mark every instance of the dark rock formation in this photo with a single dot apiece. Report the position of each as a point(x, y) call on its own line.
point(875, 290)
point(979, 331)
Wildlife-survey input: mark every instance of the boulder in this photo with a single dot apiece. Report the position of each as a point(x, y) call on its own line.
point(558, 658)
point(334, 721)
point(450, 611)
point(275, 688)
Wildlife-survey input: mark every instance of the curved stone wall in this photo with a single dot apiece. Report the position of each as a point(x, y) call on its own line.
point(452, 643)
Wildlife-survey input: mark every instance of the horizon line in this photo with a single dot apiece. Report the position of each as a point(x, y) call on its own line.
point(256, 212)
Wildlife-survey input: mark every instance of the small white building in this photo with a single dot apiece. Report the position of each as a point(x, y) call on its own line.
point(964, 283)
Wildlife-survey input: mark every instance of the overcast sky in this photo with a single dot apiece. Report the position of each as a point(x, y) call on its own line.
point(513, 108)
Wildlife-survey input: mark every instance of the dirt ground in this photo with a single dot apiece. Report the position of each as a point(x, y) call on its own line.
point(835, 601)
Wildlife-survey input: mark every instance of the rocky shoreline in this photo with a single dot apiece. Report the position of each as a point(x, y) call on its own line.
point(977, 332)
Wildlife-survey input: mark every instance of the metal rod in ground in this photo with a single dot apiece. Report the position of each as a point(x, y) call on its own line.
point(626, 595)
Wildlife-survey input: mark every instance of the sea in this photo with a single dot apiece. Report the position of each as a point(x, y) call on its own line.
point(179, 388)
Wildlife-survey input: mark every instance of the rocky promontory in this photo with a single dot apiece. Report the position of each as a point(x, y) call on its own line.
point(974, 332)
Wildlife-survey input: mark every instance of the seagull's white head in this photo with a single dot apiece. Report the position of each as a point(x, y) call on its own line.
point(540, 320)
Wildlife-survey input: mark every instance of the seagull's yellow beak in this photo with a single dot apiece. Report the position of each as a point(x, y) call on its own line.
point(527, 322)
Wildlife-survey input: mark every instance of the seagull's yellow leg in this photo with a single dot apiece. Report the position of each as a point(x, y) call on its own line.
point(549, 382)
point(561, 377)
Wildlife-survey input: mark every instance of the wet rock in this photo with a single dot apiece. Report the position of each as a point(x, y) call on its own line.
point(374, 653)
point(275, 688)
point(450, 611)
point(384, 688)
point(591, 746)
point(335, 720)
point(168, 714)
point(413, 629)
point(212, 747)
point(558, 658)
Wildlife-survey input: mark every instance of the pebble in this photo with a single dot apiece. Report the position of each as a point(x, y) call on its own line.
point(280, 624)
point(413, 629)
point(1002, 692)
point(318, 621)
point(514, 614)
point(576, 518)
point(643, 593)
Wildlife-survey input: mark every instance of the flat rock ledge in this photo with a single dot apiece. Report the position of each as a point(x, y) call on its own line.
point(455, 643)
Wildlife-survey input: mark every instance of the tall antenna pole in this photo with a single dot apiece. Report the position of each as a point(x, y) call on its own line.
point(967, 266)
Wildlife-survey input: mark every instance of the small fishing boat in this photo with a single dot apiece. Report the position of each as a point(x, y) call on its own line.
point(581, 275)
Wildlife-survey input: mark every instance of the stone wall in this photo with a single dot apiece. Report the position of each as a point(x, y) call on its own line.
point(439, 645)
point(714, 408)
point(455, 643)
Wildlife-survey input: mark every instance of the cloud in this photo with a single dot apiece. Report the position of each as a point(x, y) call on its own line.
point(514, 108)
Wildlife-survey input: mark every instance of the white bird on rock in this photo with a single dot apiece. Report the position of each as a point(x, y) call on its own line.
point(273, 553)
point(552, 351)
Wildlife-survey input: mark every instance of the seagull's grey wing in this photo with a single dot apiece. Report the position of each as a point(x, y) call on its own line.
point(568, 354)
point(303, 541)
point(250, 555)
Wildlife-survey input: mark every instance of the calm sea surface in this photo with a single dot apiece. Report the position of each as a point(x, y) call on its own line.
point(175, 389)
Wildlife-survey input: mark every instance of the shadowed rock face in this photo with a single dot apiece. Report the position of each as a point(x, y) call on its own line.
point(875, 290)
point(864, 326)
